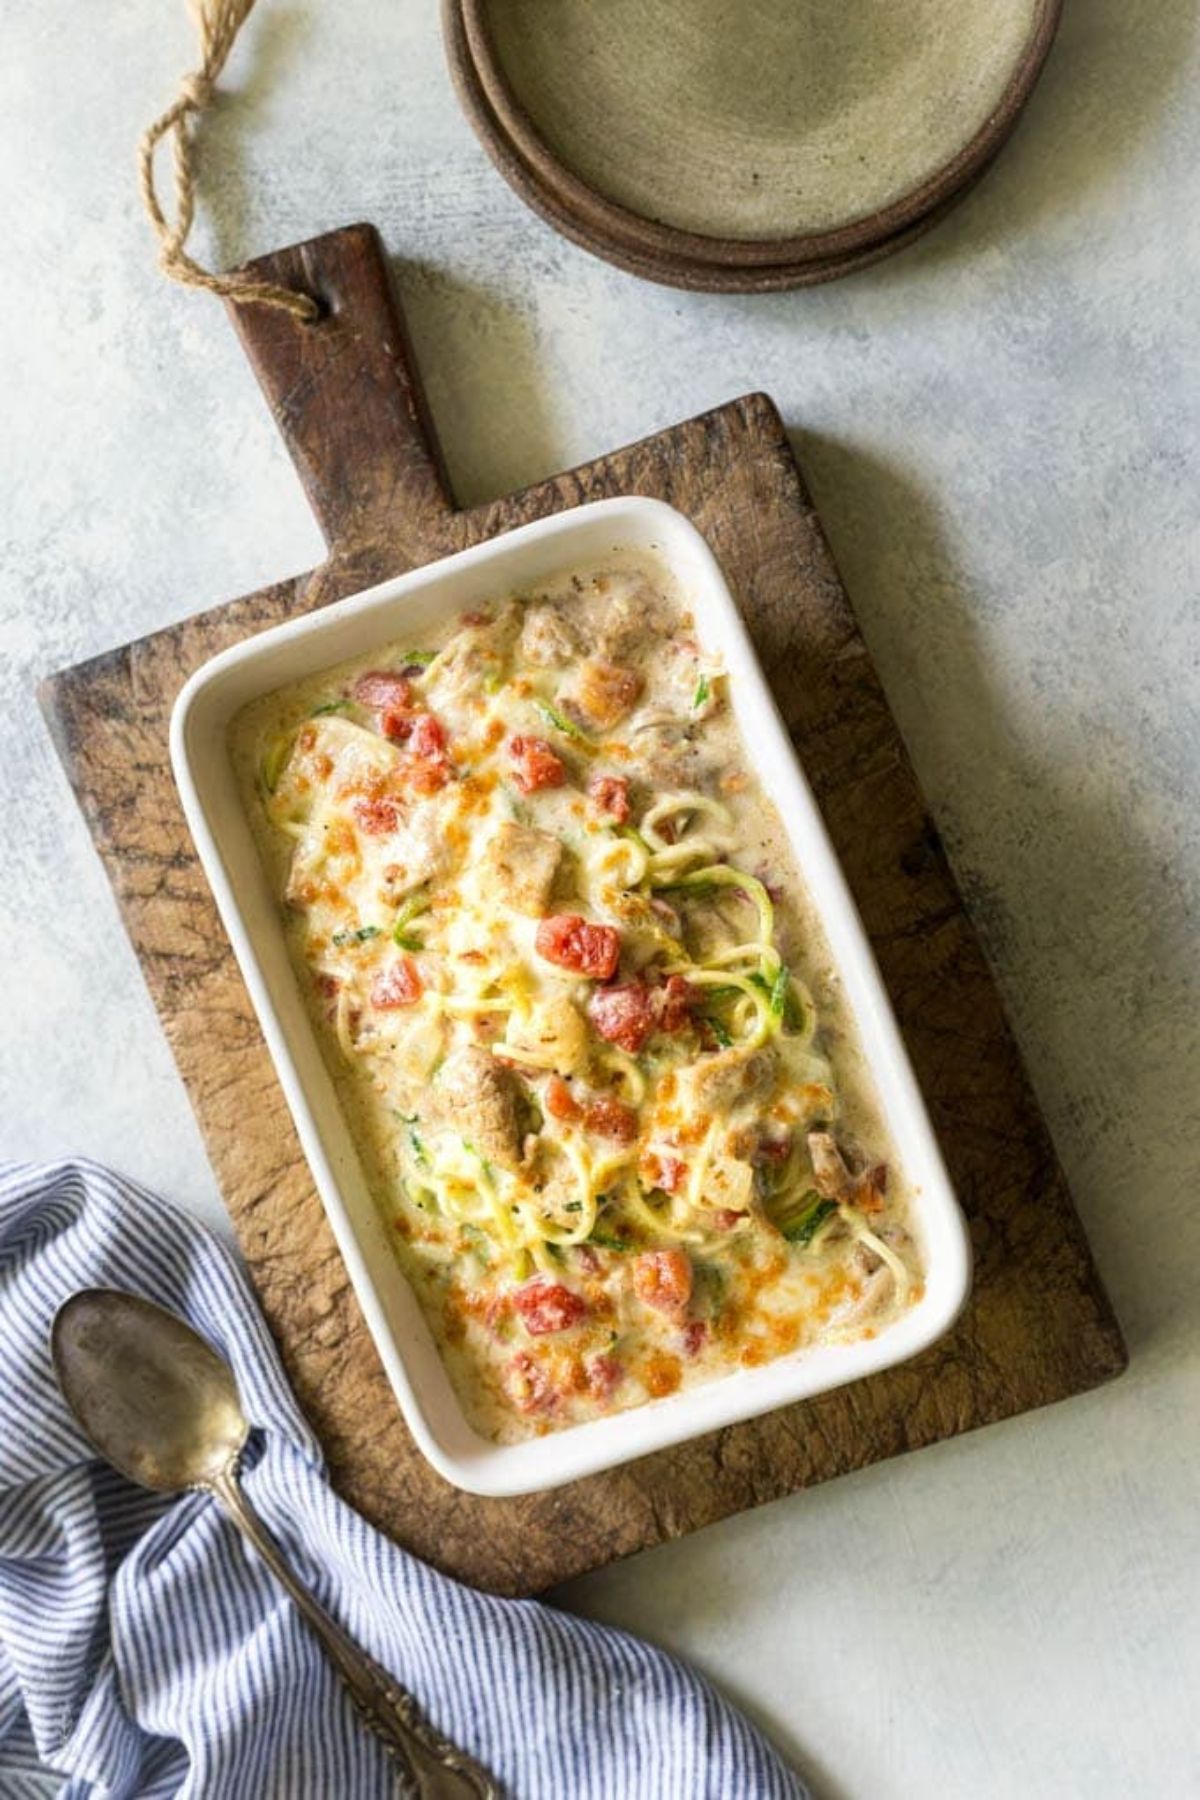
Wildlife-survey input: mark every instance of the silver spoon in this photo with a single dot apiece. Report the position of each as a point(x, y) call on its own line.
point(161, 1406)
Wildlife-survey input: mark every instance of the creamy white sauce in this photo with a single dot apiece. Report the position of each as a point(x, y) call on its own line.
point(400, 867)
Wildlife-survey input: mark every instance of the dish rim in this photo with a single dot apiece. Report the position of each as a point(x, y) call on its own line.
point(459, 1454)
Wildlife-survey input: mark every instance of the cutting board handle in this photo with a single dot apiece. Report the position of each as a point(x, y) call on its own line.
point(347, 399)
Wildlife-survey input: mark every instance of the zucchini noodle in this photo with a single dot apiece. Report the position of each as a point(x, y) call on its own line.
point(765, 955)
point(698, 1173)
point(722, 875)
point(765, 1022)
point(463, 1005)
point(545, 1060)
point(865, 1236)
point(542, 1258)
point(459, 1175)
point(668, 866)
point(656, 1223)
point(605, 1168)
point(604, 857)
point(750, 952)
point(671, 806)
point(622, 1065)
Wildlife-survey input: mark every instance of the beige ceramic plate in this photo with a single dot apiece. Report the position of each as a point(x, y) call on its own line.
point(744, 143)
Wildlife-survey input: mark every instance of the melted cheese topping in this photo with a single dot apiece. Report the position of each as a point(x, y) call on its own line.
point(580, 1013)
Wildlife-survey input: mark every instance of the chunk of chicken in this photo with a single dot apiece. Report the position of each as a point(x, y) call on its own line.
point(547, 638)
point(554, 1032)
point(728, 1079)
point(601, 693)
point(836, 1182)
point(877, 1290)
point(830, 1173)
point(478, 1099)
point(729, 1183)
point(629, 613)
point(519, 864)
point(644, 929)
point(416, 853)
point(329, 755)
point(472, 655)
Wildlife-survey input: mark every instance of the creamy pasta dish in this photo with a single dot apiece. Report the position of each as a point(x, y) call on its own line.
point(581, 1017)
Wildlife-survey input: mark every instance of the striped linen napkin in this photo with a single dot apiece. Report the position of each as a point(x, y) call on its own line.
point(144, 1651)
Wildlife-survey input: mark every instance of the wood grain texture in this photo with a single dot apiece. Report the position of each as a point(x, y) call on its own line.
point(1039, 1326)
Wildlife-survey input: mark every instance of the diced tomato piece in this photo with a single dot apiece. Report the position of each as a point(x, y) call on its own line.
point(535, 765)
point(425, 738)
point(623, 1015)
point(663, 1279)
point(547, 1306)
point(588, 1259)
point(400, 984)
point(527, 1384)
point(571, 942)
point(428, 737)
point(658, 1168)
point(384, 690)
point(560, 1101)
point(604, 1374)
point(610, 796)
point(725, 1218)
point(396, 724)
point(430, 768)
point(376, 813)
point(611, 1118)
point(773, 1149)
point(695, 1336)
point(674, 1004)
point(628, 1014)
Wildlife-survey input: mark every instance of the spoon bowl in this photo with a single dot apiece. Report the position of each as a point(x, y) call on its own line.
point(162, 1406)
point(155, 1399)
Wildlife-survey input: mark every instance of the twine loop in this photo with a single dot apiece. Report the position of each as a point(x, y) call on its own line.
point(218, 23)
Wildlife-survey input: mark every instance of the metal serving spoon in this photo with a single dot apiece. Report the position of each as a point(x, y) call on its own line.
point(158, 1403)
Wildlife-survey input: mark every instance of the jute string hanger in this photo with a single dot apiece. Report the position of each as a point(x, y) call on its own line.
point(217, 23)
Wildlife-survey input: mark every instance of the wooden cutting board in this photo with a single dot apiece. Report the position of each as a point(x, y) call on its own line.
point(347, 399)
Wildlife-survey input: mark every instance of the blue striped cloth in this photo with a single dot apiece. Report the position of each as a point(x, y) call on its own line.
point(144, 1651)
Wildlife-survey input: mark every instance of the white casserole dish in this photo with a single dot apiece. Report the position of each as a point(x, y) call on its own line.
point(419, 602)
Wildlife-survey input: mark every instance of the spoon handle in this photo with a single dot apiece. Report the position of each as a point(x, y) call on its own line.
point(429, 1766)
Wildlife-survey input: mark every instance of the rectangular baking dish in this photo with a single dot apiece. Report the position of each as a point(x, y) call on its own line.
point(408, 606)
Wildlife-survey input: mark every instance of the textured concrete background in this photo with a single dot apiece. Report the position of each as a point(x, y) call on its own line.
point(1002, 430)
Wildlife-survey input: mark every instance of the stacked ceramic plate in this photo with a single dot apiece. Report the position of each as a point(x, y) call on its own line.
point(745, 144)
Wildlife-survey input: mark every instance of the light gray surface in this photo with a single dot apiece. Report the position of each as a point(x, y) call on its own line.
point(1001, 428)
